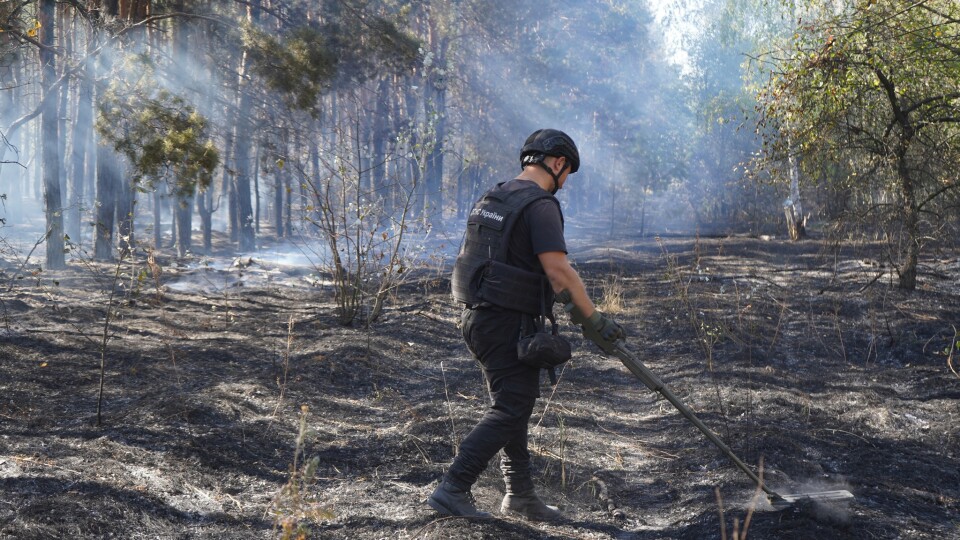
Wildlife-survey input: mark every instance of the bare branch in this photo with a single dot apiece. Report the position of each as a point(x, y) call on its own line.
point(937, 193)
point(932, 99)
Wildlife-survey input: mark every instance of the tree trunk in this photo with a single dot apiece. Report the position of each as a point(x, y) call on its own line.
point(126, 208)
point(256, 189)
point(108, 167)
point(379, 137)
point(9, 168)
point(108, 186)
point(241, 180)
point(796, 223)
point(278, 205)
point(278, 177)
point(292, 178)
point(205, 210)
point(285, 175)
point(50, 140)
point(244, 139)
point(157, 217)
point(314, 156)
point(183, 224)
point(288, 212)
point(436, 106)
point(183, 213)
point(911, 224)
point(461, 188)
point(414, 170)
point(229, 168)
point(82, 133)
point(910, 211)
point(65, 42)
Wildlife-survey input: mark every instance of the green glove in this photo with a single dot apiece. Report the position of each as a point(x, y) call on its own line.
point(608, 329)
point(595, 327)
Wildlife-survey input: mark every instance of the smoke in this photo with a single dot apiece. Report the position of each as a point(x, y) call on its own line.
point(281, 266)
point(303, 262)
point(825, 509)
point(607, 75)
point(607, 81)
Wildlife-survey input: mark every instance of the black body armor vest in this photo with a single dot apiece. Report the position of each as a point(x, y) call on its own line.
point(481, 273)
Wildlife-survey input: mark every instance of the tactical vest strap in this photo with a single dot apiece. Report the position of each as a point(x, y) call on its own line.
point(481, 273)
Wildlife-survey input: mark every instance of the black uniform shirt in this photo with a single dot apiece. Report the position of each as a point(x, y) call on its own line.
point(539, 230)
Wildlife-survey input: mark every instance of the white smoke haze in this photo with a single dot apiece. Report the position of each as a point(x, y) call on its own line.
point(212, 276)
point(629, 78)
point(619, 179)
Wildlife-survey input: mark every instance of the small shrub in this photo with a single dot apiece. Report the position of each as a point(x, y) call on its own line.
point(296, 504)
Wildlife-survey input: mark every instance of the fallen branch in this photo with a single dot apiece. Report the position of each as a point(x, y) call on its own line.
point(25, 262)
point(605, 499)
point(872, 281)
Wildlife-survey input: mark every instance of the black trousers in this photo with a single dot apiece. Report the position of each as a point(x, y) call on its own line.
point(491, 335)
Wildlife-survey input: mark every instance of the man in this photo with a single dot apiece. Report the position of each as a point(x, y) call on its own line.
point(512, 262)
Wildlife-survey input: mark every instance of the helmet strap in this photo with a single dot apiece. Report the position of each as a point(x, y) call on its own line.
point(539, 160)
point(556, 177)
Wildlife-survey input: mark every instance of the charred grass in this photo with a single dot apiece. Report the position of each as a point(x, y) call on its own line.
point(793, 354)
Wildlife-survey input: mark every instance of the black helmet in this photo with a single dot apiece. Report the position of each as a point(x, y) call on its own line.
point(551, 142)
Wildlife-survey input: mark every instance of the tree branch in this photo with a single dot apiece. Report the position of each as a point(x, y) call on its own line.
point(33, 41)
point(939, 13)
point(932, 99)
point(937, 193)
point(891, 91)
point(82, 63)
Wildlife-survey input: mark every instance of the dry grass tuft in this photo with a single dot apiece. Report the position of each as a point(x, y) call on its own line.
point(611, 297)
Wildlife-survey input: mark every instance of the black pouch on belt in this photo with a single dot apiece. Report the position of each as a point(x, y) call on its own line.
point(542, 349)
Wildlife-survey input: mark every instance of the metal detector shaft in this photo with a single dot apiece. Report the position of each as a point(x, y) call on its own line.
point(654, 383)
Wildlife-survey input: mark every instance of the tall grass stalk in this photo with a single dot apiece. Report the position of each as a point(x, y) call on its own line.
point(105, 336)
point(295, 505)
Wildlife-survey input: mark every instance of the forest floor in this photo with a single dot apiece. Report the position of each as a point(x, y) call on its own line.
point(796, 354)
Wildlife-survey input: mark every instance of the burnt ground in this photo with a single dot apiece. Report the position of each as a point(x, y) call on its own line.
point(797, 355)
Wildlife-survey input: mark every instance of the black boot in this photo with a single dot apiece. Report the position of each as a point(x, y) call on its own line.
point(527, 504)
point(521, 498)
point(450, 500)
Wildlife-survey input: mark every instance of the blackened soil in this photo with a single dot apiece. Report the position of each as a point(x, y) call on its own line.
point(803, 358)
